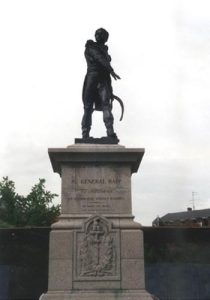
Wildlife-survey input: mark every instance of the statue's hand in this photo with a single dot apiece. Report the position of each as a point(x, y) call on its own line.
point(115, 76)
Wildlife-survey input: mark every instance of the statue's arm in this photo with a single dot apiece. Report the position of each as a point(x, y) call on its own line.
point(100, 59)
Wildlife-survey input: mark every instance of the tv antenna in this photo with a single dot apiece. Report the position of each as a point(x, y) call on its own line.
point(193, 199)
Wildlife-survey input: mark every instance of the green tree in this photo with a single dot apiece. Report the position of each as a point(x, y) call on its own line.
point(8, 199)
point(36, 209)
point(39, 209)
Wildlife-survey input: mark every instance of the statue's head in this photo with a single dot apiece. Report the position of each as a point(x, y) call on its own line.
point(101, 36)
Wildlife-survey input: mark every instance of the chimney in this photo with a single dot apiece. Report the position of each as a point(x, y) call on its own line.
point(189, 209)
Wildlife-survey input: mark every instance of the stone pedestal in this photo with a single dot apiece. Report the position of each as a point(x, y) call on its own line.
point(96, 249)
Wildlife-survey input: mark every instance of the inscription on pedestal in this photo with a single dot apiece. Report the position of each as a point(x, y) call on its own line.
point(97, 251)
point(96, 190)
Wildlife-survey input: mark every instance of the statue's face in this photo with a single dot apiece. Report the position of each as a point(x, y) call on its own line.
point(101, 37)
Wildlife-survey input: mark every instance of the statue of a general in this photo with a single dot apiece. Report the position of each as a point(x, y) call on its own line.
point(97, 89)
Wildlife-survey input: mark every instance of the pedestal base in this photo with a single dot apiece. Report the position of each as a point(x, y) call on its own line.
point(96, 249)
point(98, 295)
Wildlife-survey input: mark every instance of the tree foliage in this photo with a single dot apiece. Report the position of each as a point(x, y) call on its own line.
point(36, 209)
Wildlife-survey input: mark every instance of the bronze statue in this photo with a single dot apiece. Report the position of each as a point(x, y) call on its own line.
point(97, 89)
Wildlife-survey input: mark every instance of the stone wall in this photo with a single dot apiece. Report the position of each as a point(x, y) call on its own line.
point(23, 263)
point(177, 263)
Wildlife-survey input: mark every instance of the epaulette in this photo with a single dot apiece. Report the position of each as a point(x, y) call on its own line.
point(89, 43)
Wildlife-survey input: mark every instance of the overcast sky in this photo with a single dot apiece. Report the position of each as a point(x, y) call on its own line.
point(161, 50)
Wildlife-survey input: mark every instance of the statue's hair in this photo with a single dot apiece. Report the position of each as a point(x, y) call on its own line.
point(104, 32)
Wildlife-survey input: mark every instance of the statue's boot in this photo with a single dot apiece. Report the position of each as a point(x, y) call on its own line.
point(85, 133)
point(86, 121)
point(108, 121)
point(110, 132)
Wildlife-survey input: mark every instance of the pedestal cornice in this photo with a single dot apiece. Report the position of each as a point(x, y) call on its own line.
point(89, 154)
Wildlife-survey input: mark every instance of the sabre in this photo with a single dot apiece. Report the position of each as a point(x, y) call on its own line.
point(114, 97)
